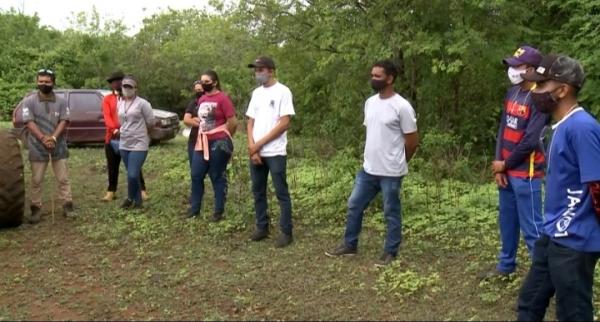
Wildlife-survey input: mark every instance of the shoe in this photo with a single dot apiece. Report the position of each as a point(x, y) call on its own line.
point(342, 250)
point(127, 204)
point(385, 260)
point(493, 273)
point(216, 217)
point(68, 210)
point(191, 214)
point(283, 240)
point(109, 196)
point(36, 215)
point(259, 234)
point(145, 195)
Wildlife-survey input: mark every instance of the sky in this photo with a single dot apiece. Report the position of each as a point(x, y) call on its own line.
point(56, 13)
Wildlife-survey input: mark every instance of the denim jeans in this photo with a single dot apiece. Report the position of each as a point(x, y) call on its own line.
point(219, 154)
point(260, 173)
point(134, 160)
point(561, 270)
point(366, 187)
point(520, 210)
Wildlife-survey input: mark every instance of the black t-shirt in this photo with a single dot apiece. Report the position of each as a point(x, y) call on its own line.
point(192, 108)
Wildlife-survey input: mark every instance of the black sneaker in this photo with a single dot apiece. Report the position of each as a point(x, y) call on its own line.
point(216, 217)
point(259, 234)
point(191, 214)
point(385, 260)
point(283, 240)
point(127, 204)
point(341, 250)
point(36, 215)
point(68, 210)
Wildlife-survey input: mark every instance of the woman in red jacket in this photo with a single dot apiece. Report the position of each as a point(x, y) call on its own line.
point(111, 139)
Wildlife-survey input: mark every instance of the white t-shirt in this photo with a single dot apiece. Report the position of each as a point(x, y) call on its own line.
point(266, 106)
point(387, 121)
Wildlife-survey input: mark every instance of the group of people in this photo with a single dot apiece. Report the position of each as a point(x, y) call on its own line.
point(563, 244)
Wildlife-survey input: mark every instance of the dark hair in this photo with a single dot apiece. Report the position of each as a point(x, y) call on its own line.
point(213, 76)
point(389, 68)
point(46, 72)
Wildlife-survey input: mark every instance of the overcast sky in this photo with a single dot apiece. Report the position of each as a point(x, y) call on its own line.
point(56, 13)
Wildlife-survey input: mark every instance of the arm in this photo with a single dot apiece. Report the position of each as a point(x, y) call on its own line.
point(595, 192)
point(530, 140)
point(148, 116)
point(498, 156)
point(410, 145)
point(282, 125)
point(254, 157)
point(232, 125)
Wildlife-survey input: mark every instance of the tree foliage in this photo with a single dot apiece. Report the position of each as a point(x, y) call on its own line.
point(448, 52)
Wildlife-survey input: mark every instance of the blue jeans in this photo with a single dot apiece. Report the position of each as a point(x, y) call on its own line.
point(219, 154)
point(134, 160)
point(561, 270)
point(520, 208)
point(259, 174)
point(366, 187)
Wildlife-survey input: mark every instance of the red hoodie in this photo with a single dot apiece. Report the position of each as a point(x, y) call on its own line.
point(111, 118)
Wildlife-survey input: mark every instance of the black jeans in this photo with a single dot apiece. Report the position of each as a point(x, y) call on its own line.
point(561, 270)
point(260, 173)
point(113, 159)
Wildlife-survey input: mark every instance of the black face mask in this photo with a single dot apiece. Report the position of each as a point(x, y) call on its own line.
point(46, 89)
point(378, 84)
point(208, 87)
point(198, 94)
point(545, 102)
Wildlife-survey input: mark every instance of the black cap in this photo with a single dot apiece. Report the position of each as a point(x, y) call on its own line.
point(261, 62)
point(118, 75)
point(560, 68)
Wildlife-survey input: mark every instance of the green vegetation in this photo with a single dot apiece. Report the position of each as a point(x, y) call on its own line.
point(153, 264)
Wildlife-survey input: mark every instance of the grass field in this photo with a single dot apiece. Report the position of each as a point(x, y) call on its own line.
point(154, 265)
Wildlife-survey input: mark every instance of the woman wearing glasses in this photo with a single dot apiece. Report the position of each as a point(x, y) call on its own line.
point(216, 123)
point(136, 118)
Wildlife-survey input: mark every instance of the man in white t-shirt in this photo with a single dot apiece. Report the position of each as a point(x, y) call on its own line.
point(269, 113)
point(392, 140)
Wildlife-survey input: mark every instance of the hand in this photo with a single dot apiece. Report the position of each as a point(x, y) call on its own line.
point(501, 180)
point(253, 149)
point(48, 142)
point(196, 121)
point(498, 167)
point(256, 159)
point(116, 134)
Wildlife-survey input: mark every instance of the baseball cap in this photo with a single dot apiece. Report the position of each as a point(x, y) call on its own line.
point(560, 68)
point(524, 55)
point(115, 76)
point(129, 81)
point(262, 61)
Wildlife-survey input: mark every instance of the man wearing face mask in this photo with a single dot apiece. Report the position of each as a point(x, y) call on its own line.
point(391, 142)
point(565, 256)
point(269, 114)
point(519, 163)
point(46, 117)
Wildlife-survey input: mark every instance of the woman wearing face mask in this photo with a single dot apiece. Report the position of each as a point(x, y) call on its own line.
point(216, 124)
point(191, 116)
point(136, 118)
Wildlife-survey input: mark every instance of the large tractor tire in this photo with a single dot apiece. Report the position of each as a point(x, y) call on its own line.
point(12, 185)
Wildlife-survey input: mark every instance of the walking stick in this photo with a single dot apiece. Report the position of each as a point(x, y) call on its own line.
point(53, 188)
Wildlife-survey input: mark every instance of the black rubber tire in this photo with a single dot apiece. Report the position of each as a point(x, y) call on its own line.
point(12, 184)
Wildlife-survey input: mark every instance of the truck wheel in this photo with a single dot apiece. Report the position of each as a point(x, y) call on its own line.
point(12, 185)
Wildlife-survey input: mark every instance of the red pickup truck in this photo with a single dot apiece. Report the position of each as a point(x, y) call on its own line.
point(87, 120)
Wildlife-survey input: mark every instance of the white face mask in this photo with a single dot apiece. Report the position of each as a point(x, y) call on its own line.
point(515, 75)
point(128, 92)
